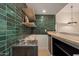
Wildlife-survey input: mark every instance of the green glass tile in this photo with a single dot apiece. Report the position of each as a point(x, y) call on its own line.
point(11, 28)
point(6, 52)
point(18, 12)
point(44, 22)
point(11, 12)
point(10, 20)
point(2, 38)
point(11, 16)
point(11, 6)
point(10, 42)
point(3, 6)
point(2, 17)
point(3, 12)
point(2, 32)
point(11, 32)
point(2, 42)
point(2, 48)
point(11, 37)
point(3, 23)
point(11, 24)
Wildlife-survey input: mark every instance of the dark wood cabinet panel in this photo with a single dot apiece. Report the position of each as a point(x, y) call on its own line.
point(66, 50)
point(25, 51)
point(60, 48)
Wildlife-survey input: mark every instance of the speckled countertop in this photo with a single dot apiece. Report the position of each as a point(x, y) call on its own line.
point(72, 40)
point(28, 41)
point(25, 44)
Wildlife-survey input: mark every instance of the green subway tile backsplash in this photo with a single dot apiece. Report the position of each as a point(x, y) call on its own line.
point(2, 38)
point(2, 48)
point(2, 43)
point(2, 6)
point(44, 22)
point(11, 28)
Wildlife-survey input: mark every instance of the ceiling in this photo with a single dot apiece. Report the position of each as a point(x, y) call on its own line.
point(50, 8)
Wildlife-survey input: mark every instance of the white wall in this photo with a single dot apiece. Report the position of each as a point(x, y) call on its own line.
point(42, 40)
point(64, 16)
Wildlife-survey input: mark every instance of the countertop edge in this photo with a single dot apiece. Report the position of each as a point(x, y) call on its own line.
point(69, 42)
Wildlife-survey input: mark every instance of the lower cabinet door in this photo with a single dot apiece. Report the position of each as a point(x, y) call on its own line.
point(18, 51)
point(25, 51)
point(62, 49)
point(31, 51)
point(57, 51)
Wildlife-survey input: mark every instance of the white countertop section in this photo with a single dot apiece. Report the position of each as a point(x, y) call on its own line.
point(72, 40)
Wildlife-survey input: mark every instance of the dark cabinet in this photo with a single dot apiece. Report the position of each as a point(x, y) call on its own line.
point(60, 48)
point(25, 51)
point(57, 49)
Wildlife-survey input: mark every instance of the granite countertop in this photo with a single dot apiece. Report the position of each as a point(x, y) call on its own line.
point(28, 41)
point(25, 44)
point(72, 40)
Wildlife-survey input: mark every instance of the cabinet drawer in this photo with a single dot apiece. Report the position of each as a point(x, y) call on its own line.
point(67, 49)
